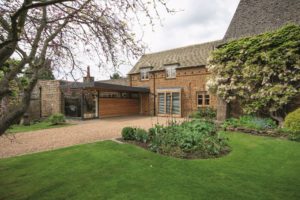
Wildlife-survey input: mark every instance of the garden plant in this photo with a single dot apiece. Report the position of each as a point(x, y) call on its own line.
point(190, 139)
point(260, 72)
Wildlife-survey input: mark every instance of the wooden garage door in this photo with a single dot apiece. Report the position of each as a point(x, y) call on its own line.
point(109, 107)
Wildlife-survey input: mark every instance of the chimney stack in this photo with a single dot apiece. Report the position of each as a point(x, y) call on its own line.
point(88, 72)
point(88, 78)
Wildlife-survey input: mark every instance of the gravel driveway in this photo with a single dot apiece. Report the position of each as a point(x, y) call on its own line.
point(83, 132)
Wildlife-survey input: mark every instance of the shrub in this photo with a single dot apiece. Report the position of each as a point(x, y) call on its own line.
point(57, 119)
point(190, 139)
point(141, 135)
point(128, 133)
point(251, 122)
point(292, 121)
point(292, 124)
point(231, 122)
point(151, 132)
point(204, 113)
point(247, 64)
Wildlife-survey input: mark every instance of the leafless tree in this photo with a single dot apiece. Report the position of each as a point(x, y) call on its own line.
point(40, 30)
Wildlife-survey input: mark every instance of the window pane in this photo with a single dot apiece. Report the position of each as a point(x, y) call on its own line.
point(168, 103)
point(171, 71)
point(168, 73)
point(200, 99)
point(175, 103)
point(134, 95)
point(89, 104)
point(161, 103)
point(125, 95)
point(207, 99)
point(174, 72)
point(109, 95)
point(145, 73)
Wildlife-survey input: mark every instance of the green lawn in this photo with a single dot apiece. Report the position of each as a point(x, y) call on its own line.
point(257, 168)
point(34, 127)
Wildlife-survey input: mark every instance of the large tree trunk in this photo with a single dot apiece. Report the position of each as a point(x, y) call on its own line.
point(11, 116)
point(7, 51)
point(222, 110)
point(279, 119)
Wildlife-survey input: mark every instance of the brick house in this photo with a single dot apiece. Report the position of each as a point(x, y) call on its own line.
point(167, 83)
point(176, 79)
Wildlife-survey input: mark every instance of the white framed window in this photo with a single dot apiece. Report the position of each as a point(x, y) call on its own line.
point(145, 73)
point(171, 71)
point(203, 99)
point(169, 103)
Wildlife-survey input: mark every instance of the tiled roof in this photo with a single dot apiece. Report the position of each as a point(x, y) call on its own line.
point(189, 56)
point(253, 17)
point(101, 85)
point(120, 81)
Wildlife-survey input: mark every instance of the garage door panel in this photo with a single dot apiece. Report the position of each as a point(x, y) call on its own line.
point(118, 107)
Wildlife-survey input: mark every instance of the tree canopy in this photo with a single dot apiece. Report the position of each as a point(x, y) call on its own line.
point(64, 31)
point(115, 75)
point(261, 72)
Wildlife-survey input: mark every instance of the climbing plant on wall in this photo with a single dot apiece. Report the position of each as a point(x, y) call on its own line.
point(261, 72)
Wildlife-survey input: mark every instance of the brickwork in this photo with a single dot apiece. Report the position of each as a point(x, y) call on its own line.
point(191, 80)
point(145, 106)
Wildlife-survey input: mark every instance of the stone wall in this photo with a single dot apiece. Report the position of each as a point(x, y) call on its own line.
point(191, 80)
point(34, 110)
point(45, 99)
point(50, 97)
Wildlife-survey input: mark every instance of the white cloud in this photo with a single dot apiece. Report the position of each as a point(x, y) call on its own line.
point(199, 21)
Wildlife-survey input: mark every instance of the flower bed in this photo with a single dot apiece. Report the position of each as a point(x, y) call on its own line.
point(268, 132)
point(189, 140)
point(256, 126)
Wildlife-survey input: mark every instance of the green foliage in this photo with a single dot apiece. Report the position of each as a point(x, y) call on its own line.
point(261, 72)
point(251, 122)
point(9, 64)
point(189, 140)
point(128, 133)
point(292, 123)
point(115, 76)
point(257, 168)
point(46, 73)
point(137, 134)
point(204, 113)
point(34, 127)
point(292, 120)
point(57, 119)
point(141, 135)
point(152, 132)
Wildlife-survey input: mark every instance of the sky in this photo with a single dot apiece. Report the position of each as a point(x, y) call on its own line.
point(197, 21)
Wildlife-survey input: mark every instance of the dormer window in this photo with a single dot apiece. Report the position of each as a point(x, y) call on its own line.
point(145, 73)
point(171, 71)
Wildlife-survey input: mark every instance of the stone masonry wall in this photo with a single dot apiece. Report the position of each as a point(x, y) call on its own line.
point(191, 80)
point(34, 109)
point(50, 97)
point(45, 99)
